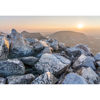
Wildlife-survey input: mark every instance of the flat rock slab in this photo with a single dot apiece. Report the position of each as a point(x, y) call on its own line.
point(73, 78)
point(22, 79)
point(2, 80)
point(46, 78)
point(11, 67)
point(55, 64)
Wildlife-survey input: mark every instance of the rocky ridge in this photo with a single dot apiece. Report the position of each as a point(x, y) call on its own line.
point(46, 61)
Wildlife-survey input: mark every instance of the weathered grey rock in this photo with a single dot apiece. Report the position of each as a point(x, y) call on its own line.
point(77, 50)
point(11, 67)
point(73, 53)
point(53, 43)
point(89, 75)
point(97, 57)
point(47, 50)
point(39, 45)
point(29, 60)
point(4, 48)
point(84, 49)
point(19, 47)
point(46, 78)
point(73, 78)
point(2, 80)
point(32, 40)
point(52, 63)
point(98, 63)
point(86, 61)
point(22, 79)
point(61, 46)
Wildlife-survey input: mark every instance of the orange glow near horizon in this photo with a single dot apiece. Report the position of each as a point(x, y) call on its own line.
point(50, 23)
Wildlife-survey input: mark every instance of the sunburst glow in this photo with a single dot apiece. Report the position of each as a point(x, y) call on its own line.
point(80, 26)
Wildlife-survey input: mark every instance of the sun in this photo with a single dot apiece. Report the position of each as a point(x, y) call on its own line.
point(80, 26)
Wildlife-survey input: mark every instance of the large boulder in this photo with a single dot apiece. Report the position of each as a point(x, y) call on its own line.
point(19, 47)
point(22, 79)
point(86, 61)
point(46, 78)
point(73, 78)
point(29, 60)
point(89, 75)
point(2, 80)
point(11, 67)
point(77, 50)
point(53, 63)
point(4, 48)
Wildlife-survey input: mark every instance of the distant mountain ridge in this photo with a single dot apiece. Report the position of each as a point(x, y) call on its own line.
point(70, 37)
point(32, 35)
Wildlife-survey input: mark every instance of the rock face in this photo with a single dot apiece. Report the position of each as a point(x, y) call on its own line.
point(52, 63)
point(11, 67)
point(46, 78)
point(2, 80)
point(4, 48)
point(18, 46)
point(73, 78)
point(86, 61)
point(22, 79)
point(89, 75)
point(29, 60)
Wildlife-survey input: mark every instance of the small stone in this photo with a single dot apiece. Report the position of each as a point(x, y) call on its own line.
point(29, 60)
point(46, 78)
point(73, 78)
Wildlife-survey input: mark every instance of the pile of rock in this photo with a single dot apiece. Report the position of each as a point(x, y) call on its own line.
point(46, 62)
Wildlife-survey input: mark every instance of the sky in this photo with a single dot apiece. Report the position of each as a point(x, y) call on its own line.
point(89, 24)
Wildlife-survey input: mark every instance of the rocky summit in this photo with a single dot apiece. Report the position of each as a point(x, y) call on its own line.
point(25, 60)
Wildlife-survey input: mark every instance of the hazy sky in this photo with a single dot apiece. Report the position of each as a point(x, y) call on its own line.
point(49, 24)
